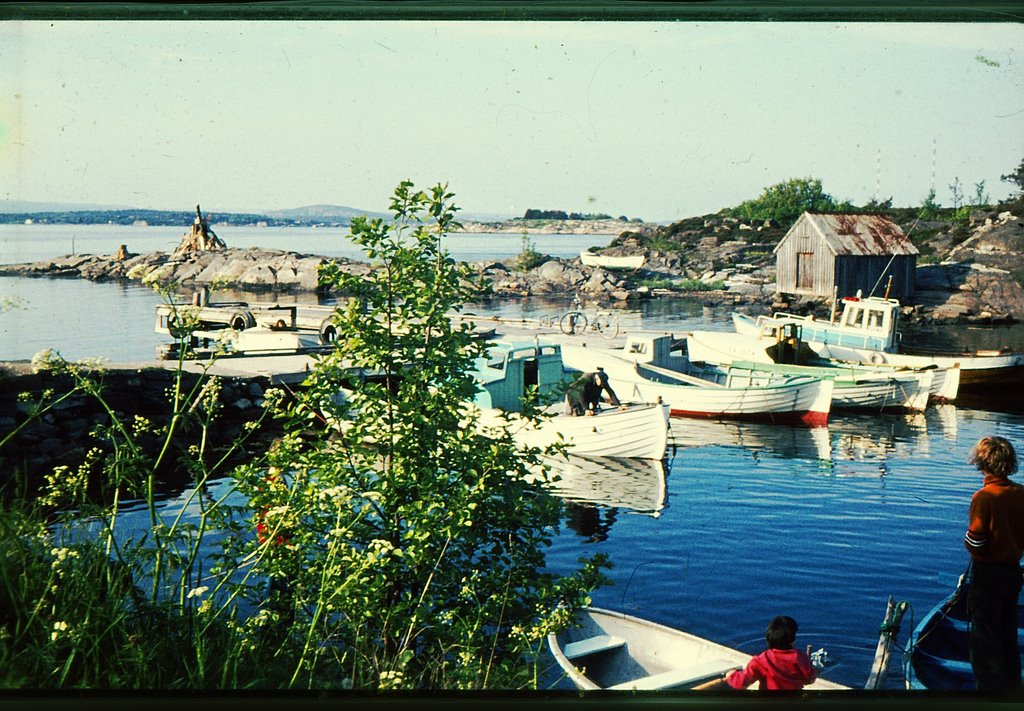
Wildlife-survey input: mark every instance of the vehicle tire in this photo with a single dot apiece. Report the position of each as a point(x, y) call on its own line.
point(328, 332)
point(608, 325)
point(573, 322)
point(241, 320)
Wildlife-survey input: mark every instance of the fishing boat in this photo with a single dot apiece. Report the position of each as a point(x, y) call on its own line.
point(795, 399)
point(866, 332)
point(510, 369)
point(725, 348)
point(606, 261)
point(854, 390)
point(618, 652)
point(938, 647)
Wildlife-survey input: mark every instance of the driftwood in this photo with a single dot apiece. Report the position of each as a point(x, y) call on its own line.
point(199, 239)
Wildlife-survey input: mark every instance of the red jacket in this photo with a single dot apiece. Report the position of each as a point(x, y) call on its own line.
point(775, 669)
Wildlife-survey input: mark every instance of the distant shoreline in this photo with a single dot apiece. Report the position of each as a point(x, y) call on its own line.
point(568, 227)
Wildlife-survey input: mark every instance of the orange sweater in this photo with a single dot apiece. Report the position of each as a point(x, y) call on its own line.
point(996, 530)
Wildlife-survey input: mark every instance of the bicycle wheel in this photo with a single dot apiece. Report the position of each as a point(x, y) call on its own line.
point(573, 322)
point(607, 324)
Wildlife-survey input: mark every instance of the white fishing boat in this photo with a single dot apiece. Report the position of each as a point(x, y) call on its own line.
point(854, 390)
point(618, 652)
point(606, 261)
point(725, 348)
point(866, 332)
point(633, 374)
point(632, 430)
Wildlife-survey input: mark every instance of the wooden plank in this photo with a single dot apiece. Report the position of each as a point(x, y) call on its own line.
point(592, 645)
point(678, 677)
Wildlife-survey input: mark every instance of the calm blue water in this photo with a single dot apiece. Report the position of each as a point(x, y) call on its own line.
point(757, 520)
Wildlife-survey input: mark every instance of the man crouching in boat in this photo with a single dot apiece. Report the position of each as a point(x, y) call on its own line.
point(584, 394)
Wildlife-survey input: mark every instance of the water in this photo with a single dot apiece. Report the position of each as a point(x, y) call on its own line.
point(33, 243)
point(754, 520)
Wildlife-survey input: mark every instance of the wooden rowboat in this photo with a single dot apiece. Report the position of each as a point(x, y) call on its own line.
point(609, 262)
point(939, 646)
point(618, 652)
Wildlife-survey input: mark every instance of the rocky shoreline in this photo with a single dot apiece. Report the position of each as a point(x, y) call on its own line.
point(968, 278)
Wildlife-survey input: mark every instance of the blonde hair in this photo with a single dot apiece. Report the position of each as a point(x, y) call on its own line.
point(994, 455)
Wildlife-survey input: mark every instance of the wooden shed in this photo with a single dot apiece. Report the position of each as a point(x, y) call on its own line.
point(854, 252)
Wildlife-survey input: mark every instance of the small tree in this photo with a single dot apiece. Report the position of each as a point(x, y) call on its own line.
point(786, 201)
point(980, 196)
point(956, 190)
point(405, 544)
point(1016, 177)
point(929, 208)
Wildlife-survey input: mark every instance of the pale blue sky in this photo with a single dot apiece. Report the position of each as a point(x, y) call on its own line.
point(652, 120)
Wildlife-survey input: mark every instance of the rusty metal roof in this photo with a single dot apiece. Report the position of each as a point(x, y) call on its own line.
point(859, 234)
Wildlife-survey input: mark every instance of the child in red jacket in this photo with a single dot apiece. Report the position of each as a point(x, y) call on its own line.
point(780, 666)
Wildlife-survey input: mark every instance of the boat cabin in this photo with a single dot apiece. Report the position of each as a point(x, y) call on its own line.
point(654, 350)
point(865, 323)
point(511, 368)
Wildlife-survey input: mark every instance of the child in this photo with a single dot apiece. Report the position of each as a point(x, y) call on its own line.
point(995, 540)
point(780, 666)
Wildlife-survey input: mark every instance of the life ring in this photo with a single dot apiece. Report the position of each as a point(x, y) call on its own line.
point(328, 332)
point(877, 358)
point(241, 320)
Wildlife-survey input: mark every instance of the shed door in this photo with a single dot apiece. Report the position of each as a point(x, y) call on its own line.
point(805, 270)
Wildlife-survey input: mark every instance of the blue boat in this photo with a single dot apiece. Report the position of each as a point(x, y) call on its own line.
point(939, 646)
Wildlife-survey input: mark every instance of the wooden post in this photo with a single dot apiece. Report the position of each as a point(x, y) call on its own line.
point(888, 286)
point(886, 638)
point(835, 297)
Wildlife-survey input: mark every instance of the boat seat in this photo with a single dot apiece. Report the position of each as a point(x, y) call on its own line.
point(684, 676)
point(592, 645)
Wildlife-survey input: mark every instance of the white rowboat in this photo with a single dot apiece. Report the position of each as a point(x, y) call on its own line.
point(619, 652)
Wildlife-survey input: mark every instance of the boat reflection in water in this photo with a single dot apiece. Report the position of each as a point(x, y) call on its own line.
point(596, 489)
point(790, 442)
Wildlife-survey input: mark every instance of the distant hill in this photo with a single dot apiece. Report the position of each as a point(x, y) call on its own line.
point(322, 212)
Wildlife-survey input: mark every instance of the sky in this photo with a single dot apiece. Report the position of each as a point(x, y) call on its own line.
point(657, 120)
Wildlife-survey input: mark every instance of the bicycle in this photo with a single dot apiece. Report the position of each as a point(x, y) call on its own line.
point(575, 321)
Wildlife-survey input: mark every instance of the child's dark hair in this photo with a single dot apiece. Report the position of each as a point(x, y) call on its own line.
point(781, 633)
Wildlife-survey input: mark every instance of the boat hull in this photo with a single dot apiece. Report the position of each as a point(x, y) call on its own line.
point(723, 348)
point(939, 647)
point(608, 262)
point(651, 656)
point(639, 431)
point(794, 400)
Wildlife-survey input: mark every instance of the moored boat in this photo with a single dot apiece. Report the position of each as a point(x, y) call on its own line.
point(726, 348)
point(796, 399)
point(632, 430)
point(854, 390)
point(606, 261)
point(618, 652)
point(939, 645)
point(866, 332)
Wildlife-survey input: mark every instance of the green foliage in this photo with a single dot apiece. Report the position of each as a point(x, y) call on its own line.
point(84, 604)
point(529, 258)
point(407, 537)
point(384, 541)
point(929, 208)
point(1016, 177)
point(784, 202)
